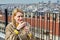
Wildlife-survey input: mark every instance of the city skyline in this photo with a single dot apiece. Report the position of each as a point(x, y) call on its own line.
point(26, 1)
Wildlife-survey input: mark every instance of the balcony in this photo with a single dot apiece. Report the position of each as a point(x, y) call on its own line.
point(46, 27)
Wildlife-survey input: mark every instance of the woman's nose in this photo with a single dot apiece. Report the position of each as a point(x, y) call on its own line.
point(21, 18)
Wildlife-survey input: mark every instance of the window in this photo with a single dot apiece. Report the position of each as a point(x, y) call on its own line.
point(42, 13)
point(25, 15)
point(48, 18)
point(33, 16)
point(38, 17)
point(29, 15)
point(2, 27)
point(54, 17)
point(59, 17)
point(42, 17)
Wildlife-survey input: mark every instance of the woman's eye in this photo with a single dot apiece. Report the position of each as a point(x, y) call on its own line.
point(21, 16)
point(18, 16)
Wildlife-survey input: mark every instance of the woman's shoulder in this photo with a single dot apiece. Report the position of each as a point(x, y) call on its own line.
point(9, 25)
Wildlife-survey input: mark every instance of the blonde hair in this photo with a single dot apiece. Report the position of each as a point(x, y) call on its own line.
point(14, 14)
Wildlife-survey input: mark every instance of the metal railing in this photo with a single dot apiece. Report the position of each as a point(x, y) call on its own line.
point(44, 26)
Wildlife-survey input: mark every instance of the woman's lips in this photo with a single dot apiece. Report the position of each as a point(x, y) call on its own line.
point(20, 19)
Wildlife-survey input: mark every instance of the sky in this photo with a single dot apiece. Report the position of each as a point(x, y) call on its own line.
point(24, 1)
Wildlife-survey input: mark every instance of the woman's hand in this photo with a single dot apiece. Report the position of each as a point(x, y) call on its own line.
point(26, 29)
point(21, 25)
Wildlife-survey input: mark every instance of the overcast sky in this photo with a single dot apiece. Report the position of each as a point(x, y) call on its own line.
point(24, 1)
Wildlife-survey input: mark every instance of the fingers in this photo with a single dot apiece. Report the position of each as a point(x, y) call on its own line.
point(21, 22)
point(26, 28)
point(21, 25)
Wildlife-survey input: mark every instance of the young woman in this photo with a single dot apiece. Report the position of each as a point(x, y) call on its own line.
point(18, 29)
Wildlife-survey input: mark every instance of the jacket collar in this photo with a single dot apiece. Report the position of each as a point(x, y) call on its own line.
point(13, 25)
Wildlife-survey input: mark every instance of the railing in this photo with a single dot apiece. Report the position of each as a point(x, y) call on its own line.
point(44, 26)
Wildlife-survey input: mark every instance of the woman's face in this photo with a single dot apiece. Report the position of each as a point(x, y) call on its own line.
point(19, 17)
